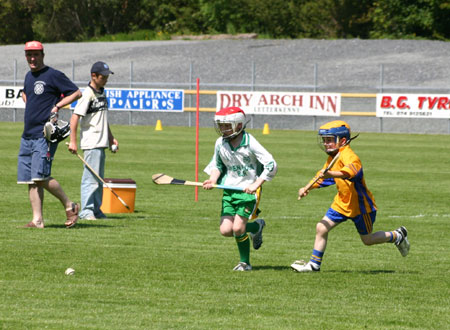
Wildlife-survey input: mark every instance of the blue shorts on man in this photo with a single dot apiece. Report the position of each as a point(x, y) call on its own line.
point(35, 160)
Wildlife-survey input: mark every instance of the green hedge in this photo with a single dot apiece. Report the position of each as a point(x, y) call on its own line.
point(68, 20)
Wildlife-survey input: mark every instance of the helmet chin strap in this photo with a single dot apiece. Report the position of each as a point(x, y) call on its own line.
point(235, 133)
point(332, 152)
point(231, 136)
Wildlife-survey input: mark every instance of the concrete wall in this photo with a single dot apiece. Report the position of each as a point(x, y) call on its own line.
point(361, 124)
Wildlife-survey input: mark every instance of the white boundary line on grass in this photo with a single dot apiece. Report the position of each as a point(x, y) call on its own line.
point(421, 216)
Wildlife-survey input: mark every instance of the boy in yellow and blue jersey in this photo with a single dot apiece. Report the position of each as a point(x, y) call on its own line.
point(353, 201)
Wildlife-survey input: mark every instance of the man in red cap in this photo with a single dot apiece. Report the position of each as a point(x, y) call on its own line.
point(45, 91)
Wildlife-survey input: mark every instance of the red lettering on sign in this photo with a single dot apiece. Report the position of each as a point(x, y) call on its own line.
point(247, 98)
point(432, 102)
point(224, 101)
point(422, 100)
point(332, 103)
point(297, 100)
point(236, 100)
point(286, 100)
point(386, 102)
point(401, 102)
point(323, 103)
point(313, 100)
point(262, 100)
point(275, 99)
point(443, 103)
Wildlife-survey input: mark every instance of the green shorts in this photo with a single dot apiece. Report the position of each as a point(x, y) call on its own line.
point(238, 202)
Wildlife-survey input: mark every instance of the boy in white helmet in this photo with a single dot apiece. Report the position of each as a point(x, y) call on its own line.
point(353, 201)
point(239, 160)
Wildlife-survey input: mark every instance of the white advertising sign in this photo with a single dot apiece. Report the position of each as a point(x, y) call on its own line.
point(11, 97)
point(413, 105)
point(282, 103)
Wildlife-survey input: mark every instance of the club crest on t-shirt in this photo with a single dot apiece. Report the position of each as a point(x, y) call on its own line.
point(39, 87)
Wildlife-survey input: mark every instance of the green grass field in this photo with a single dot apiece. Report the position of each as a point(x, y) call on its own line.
point(166, 265)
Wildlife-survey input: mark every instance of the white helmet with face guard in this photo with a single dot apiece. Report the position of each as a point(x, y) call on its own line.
point(229, 122)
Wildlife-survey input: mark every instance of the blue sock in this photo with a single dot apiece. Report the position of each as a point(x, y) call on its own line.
point(391, 237)
point(316, 258)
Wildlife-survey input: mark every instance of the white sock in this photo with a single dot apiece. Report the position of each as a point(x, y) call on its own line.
point(314, 265)
point(399, 237)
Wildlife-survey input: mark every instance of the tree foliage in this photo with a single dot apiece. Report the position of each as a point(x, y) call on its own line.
point(16, 22)
point(402, 18)
point(336, 18)
point(76, 20)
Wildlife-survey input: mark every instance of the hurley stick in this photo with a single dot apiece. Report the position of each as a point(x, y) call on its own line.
point(101, 179)
point(162, 178)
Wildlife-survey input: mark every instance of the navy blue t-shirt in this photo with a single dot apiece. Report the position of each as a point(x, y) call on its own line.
point(43, 90)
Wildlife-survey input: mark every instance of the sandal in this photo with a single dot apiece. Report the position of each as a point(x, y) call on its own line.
point(31, 224)
point(72, 215)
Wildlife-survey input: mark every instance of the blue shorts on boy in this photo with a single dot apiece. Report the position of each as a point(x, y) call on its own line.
point(363, 222)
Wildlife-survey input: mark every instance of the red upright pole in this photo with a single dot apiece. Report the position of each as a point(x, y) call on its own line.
point(196, 137)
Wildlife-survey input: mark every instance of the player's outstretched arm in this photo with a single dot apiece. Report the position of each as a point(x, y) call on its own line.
point(302, 192)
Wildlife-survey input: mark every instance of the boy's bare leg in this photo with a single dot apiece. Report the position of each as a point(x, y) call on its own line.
point(323, 227)
point(239, 224)
point(376, 238)
point(226, 226)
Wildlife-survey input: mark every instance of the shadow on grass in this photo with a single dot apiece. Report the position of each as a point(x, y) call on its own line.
point(79, 225)
point(271, 267)
point(367, 272)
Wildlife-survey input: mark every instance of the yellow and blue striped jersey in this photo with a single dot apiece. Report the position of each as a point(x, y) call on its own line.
point(353, 197)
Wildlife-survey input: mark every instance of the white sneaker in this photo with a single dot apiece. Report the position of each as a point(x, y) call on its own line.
point(257, 237)
point(302, 266)
point(403, 245)
point(89, 217)
point(242, 267)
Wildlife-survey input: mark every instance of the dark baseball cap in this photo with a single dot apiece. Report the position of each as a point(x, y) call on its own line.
point(101, 68)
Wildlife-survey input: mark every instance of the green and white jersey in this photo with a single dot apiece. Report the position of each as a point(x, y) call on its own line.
point(241, 167)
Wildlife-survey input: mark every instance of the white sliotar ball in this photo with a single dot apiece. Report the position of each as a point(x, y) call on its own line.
point(113, 148)
point(69, 271)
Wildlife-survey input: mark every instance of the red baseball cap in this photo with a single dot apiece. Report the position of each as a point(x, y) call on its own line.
point(34, 45)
